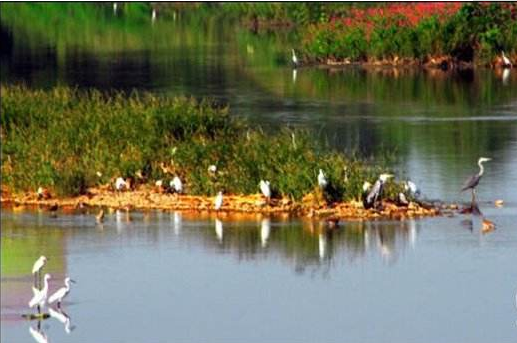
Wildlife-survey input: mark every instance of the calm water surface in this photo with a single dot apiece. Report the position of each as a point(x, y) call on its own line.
point(165, 277)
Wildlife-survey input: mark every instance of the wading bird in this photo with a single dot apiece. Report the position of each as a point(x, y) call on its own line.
point(473, 181)
point(506, 61)
point(40, 296)
point(295, 59)
point(153, 15)
point(322, 181)
point(376, 191)
point(265, 189)
point(218, 201)
point(177, 185)
point(61, 293)
point(412, 188)
point(36, 269)
point(120, 184)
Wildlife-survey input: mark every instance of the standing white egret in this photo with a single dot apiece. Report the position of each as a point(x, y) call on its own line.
point(114, 8)
point(61, 293)
point(265, 230)
point(412, 188)
point(294, 59)
point(219, 230)
point(120, 184)
point(177, 185)
point(218, 203)
point(322, 181)
point(36, 269)
point(506, 61)
point(376, 191)
point(473, 181)
point(153, 15)
point(265, 189)
point(40, 296)
point(212, 169)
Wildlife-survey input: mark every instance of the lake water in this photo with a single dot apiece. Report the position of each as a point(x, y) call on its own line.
point(165, 277)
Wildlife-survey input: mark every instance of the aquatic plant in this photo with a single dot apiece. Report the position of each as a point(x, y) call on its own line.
point(63, 138)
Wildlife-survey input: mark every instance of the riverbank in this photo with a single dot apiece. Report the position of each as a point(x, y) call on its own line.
point(149, 198)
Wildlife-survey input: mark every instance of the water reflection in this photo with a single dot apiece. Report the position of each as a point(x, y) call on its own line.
point(38, 334)
point(63, 318)
point(265, 230)
point(219, 230)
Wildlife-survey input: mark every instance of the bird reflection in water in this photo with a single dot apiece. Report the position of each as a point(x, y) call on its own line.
point(219, 230)
point(177, 219)
point(265, 230)
point(38, 334)
point(63, 318)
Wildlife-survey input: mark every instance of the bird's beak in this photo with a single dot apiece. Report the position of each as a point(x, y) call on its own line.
point(73, 281)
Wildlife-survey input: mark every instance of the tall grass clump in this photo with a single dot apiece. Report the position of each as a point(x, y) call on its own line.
point(63, 137)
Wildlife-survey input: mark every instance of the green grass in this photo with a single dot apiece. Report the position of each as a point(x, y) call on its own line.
point(62, 137)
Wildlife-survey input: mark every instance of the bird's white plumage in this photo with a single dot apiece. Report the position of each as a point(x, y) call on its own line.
point(385, 177)
point(294, 58)
point(322, 181)
point(218, 201)
point(40, 296)
point(120, 184)
point(61, 293)
point(158, 183)
point(366, 186)
point(177, 184)
point(212, 168)
point(506, 60)
point(40, 262)
point(265, 189)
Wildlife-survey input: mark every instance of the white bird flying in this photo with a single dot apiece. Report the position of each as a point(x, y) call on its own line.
point(322, 181)
point(61, 293)
point(40, 296)
point(265, 189)
point(218, 201)
point(177, 185)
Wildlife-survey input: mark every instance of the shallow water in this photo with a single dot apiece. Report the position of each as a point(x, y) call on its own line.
point(165, 277)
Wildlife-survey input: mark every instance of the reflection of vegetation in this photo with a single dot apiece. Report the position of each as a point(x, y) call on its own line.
point(63, 137)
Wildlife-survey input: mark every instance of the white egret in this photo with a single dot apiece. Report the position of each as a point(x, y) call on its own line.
point(212, 169)
point(153, 15)
point(403, 200)
point(506, 61)
point(61, 293)
point(473, 181)
point(219, 230)
point(38, 335)
point(36, 269)
point(265, 189)
point(322, 181)
point(120, 184)
point(265, 230)
point(366, 186)
point(40, 296)
point(218, 203)
point(294, 59)
point(412, 188)
point(177, 185)
point(159, 183)
point(114, 8)
point(376, 191)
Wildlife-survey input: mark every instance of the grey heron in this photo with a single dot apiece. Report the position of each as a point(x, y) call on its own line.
point(473, 181)
point(376, 191)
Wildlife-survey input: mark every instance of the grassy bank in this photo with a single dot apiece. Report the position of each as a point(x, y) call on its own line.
point(470, 32)
point(61, 138)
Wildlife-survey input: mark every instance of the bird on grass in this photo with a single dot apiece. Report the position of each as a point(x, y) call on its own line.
point(43, 193)
point(265, 189)
point(506, 61)
point(176, 185)
point(61, 293)
point(322, 181)
point(37, 267)
point(294, 59)
point(40, 296)
point(473, 181)
point(218, 203)
point(376, 192)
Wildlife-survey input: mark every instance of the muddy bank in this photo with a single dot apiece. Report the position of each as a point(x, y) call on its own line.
point(148, 198)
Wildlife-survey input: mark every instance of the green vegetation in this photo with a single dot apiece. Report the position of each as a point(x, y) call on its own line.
point(61, 138)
